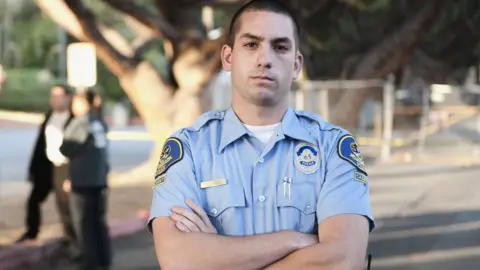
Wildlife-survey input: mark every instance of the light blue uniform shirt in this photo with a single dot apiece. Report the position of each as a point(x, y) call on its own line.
point(309, 171)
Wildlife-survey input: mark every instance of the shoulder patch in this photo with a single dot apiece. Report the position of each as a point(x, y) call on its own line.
point(172, 153)
point(348, 150)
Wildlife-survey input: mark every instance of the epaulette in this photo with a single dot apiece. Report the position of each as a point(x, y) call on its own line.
point(313, 117)
point(310, 115)
point(205, 118)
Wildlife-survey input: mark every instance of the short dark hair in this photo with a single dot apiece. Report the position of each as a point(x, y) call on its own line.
point(89, 96)
point(275, 6)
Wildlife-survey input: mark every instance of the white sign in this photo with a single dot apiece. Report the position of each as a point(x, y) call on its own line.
point(81, 64)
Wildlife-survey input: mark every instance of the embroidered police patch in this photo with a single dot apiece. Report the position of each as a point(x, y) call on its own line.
point(307, 158)
point(172, 153)
point(160, 180)
point(360, 177)
point(348, 150)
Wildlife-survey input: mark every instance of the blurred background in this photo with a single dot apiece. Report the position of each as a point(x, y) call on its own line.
point(402, 75)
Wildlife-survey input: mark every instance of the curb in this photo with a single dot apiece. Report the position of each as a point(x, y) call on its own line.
point(27, 255)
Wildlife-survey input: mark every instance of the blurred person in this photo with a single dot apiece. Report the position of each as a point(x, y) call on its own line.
point(98, 106)
point(276, 188)
point(48, 168)
point(85, 144)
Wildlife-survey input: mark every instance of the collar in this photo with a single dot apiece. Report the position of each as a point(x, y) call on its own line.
point(292, 127)
point(233, 128)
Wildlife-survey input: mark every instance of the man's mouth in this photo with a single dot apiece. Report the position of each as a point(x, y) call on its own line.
point(263, 78)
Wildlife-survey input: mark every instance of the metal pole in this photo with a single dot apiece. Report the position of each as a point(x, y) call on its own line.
point(299, 99)
point(208, 18)
point(388, 106)
point(62, 57)
point(476, 148)
point(377, 128)
point(324, 104)
point(424, 120)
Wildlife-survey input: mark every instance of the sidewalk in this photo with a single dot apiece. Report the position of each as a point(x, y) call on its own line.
point(128, 201)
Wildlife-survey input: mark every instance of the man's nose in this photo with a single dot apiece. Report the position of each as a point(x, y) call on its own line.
point(264, 59)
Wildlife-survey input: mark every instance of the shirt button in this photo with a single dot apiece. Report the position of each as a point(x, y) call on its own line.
point(214, 211)
point(261, 198)
point(260, 160)
point(308, 208)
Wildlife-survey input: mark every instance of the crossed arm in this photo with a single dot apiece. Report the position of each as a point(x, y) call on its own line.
point(187, 240)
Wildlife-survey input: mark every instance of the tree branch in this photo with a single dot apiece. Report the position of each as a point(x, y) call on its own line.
point(156, 22)
point(113, 58)
point(90, 27)
point(397, 47)
point(144, 40)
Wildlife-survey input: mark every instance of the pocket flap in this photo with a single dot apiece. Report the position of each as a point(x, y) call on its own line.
point(220, 198)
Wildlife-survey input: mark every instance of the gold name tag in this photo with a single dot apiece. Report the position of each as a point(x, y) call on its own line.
point(213, 183)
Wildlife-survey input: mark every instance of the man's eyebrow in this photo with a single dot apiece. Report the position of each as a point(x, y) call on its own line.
point(282, 40)
point(259, 38)
point(252, 36)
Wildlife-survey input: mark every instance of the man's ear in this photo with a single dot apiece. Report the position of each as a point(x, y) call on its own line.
point(227, 58)
point(297, 66)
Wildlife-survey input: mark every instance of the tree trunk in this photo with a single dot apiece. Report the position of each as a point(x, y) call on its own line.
point(164, 106)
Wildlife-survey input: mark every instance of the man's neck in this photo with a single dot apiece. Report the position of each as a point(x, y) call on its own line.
point(254, 115)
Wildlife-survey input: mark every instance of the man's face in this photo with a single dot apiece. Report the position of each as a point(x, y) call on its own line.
point(58, 99)
point(80, 106)
point(264, 60)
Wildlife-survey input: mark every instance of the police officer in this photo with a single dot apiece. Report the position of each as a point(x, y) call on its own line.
point(260, 185)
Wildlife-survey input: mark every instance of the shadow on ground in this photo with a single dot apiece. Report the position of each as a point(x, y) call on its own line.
point(449, 240)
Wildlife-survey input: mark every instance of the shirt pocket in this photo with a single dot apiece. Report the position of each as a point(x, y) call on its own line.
point(296, 203)
point(224, 206)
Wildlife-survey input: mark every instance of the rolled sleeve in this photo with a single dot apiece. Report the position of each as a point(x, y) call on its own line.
point(175, 179)
point(346, 187)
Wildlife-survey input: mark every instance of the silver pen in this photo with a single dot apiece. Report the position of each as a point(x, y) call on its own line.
point(285, 180)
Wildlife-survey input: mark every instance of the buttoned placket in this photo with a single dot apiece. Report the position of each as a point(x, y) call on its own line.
point(260, 200)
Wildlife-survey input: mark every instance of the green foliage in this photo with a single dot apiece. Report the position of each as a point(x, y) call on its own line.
point(35, 37)
point(26, 90)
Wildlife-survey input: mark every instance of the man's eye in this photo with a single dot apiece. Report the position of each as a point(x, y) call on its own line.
point(281, 48)
point(251, 45)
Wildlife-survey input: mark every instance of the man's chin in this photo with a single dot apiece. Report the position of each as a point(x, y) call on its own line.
point(266, 100)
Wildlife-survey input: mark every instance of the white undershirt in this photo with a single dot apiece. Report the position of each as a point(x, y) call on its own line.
point(54, 137)
point(263, 133)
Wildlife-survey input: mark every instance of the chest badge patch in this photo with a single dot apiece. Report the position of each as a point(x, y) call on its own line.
point(307, 158)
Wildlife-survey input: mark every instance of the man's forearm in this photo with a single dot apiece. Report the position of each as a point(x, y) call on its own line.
point(320, 256)
point(210, 251)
